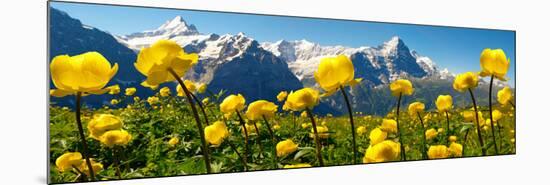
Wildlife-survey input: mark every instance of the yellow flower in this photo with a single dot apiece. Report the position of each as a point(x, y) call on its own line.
point(189, 85)
point(232, 104)
point(282, 96)
point(68, 160)
point(115, 89)
point(205, 101)
point(305, 125)
point(335, 72)
point(389, 125)
point(452, 138)
point(173, 141)
point(301, 165)
point(115, 137)
point(87, 73)
point(431, 133)
point(286, 147)
point(470, 116)
point(261, 108)
point(136, 99)
point(102, 123)
point(164, 55)
point(377, 135)
point(465, 81)
point(361, 130)
point(504, 95)
point(152, 100)
point(130, 91)
point(164, 92)
point(216, 133)
point(415, 108)
point(114, 101)
point(202, 88)
point(438, 152)
point(444, 103)
point(494, 62)
point(303, 114)
point(276, 127)
point(455, 149)
point(401, 87)
point(384, 151)
point(322, 132)
point(96, 166)
point(302, 99)
point(497, 115)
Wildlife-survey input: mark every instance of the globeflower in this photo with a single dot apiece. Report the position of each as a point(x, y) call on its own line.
point(152, 100)
point(361, 130)
point(231, 104)
point(389, 125)
point(115, 89)
point(216, 133)
point(438, 152)
point(494, 63)
point(190, 86)
point(322, 132)
point(504, 95)
point(161, 59)
point(259, 109)
point(282, 96)
point(455, 149)
point(130, 91)
point(465, 81)
point(431, 133)
point(173, 141)
point(114, 101)
point(416, 108)
point(96, 167)
point(286, 147)
point(102, 123)
point(377, 135)
point(164, 92)
point(68, 160)
point(115, 138)
point(334, 73)
point(86, 73)
point(469, 116)
point(302, 99)
point(444, 103)
point(401, 87)
point(301, 165)
point(384, 151)
point(205, 101)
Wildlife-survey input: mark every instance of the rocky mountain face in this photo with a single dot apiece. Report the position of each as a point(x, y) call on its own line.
point(68, 36)
point(240, 64)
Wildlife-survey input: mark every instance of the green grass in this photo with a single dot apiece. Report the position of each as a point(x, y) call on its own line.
point(149, 155)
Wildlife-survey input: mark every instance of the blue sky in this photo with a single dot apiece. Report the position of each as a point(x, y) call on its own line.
point(457, 49)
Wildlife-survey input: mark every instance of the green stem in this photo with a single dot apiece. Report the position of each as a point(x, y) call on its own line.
point(258, 139)
point(197, 120)
point(350, 113)
point(81, 174)
point(511, 103)
point(202, 109)
point(491, 113)
point(116, 163)
point(448, 127)
point(479, 137)
point(499, 135)
point(272, 140)
point(83, 137)
point(424, 156)
point(316, 138)
point(243, 160)
point(403, 155)
point(243, 124)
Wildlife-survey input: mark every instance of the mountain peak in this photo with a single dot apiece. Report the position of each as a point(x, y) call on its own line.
point(175, 22)
point(394, 42)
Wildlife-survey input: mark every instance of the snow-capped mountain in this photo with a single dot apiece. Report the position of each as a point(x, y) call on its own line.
point(240, 64)
point(383, 63)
